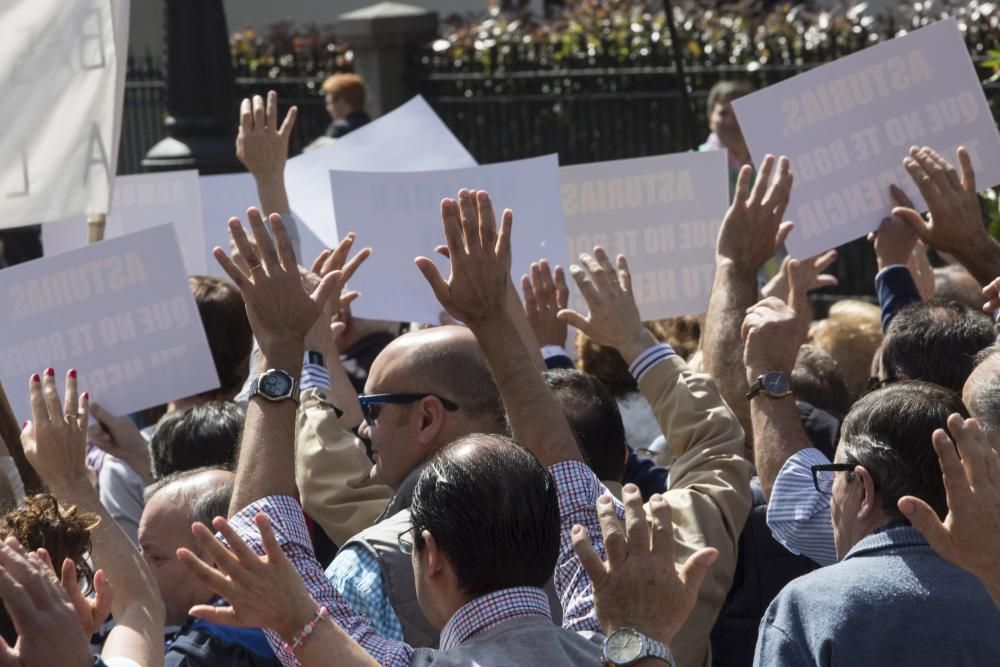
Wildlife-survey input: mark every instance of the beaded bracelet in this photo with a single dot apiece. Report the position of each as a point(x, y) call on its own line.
point(306, 631)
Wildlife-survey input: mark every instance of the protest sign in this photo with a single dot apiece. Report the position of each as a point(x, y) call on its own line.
point(143, 201)
point(59, 69)
point(400, 214)
point(410, 138)
point(663, 213)
point(230, 195)
point(847, 125)
point(120, 312)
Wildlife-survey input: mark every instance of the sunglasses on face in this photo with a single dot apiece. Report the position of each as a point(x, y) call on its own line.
point(371, 404)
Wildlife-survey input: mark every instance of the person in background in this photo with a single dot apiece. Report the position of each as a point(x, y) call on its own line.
point(725, 130)
point(345, 102)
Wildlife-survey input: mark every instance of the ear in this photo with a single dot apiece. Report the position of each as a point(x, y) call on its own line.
point(868, 502)
point(434, 562)
point(432, 415)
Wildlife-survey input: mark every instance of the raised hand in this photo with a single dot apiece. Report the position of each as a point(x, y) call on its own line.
point(261, 145)
point(480, 259)
point(773, 331)
point(55, 440)
point(614, 318)
point(280, 311)
point(639, 586)
point(752, 230)
point(329, 261)
point(262, 591)
point(545, 294)
point(811, 275)
point(91, 612)
point(969, 536)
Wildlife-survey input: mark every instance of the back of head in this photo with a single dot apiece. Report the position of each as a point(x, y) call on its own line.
point(817, 380)
point(205, 491)
point(954, 283)
point(851, 339)
point(492, 508)
point(594, 417)
point(936, 341)
point(348, 87)
point(727, 91)
point(889, 433)
point(227, 328)
point(982, 390)
point(203, 435)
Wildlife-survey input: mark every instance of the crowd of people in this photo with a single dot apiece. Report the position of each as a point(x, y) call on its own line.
point(750, 486)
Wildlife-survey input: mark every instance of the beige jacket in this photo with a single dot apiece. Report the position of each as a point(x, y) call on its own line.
point(331, 471)
point(709, 487)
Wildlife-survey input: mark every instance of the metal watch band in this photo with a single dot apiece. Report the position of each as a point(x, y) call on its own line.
point(659, 650)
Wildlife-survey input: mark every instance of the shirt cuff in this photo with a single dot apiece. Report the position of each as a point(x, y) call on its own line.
point(891, 267)
point(549, 351)
point(314, 376)
point(650, 358)
point(287, 522)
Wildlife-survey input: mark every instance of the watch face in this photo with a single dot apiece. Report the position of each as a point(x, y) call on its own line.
point(624, 646)
point(274, 384)
point(776, 384)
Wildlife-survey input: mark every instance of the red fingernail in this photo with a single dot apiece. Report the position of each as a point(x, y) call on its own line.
point(51, 372)
point(35, 378)
point(86, 395)
point(24, 425)
point(72, 372)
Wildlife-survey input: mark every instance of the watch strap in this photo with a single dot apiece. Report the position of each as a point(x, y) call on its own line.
point(292, 393)
point(655, 649)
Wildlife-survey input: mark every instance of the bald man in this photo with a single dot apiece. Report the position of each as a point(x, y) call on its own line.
point(981, 393)
point(425, 390)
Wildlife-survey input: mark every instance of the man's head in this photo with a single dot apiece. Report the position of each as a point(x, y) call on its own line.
point(816, 379)
point(721, 119)
point(199, 436)
point(594, 417)
point(981, 393)
point(850, 334)
point(345, 94)
point(935, 341)
point(953, 282)
point(886, 437)
point(445, 367)
point(220, 306)
point(485, 517)
point(172, 505)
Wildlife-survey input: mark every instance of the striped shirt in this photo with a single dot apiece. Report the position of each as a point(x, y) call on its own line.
point(799, 515)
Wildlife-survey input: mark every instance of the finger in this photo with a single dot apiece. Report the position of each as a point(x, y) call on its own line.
point(487, 222)
point(224, 559)
point(217, 582)
point(574, 319)
point(286, 251)
point(971, 446)
point(289, 124)
point(953, 181)
point(562, 289)
point(585, 285)
point(51, 394)
point(247, 556)
point(259, 118)
point(743, 185)
point(503, 238)
point(926, 520)
point(454, 237)
point(317, 265)
point(956, 480)
point(433, 276)
point(71, 407)
point(763, 182)
point(275, 554)
point(548, 288)
point(777, 195)
point(608, 272)
point(589, 558)
point(968, 173)
point(39, 412)
point(356, 262)
point(17, 601)
point(246, 249)
point(339, 255)
point(624, 274)
point(217, 615)
point(234, 272)
point(900, 197)
point(262, 239)
point(530, 304)
point(103, 595)
point(696, 568)
point(615, 541)
point(914, 220)
point(271, 111)
point(636, 526)
point(246, 116)
point(662, 540)
point(797, 300)
point(822, 261)
point(825, 280)
point(784, 229)
point(443, 251)
point(920, 176)
point(470, 222)
point(932, 164)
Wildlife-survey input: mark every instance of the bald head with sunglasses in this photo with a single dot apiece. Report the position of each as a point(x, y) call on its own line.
point(425, 390)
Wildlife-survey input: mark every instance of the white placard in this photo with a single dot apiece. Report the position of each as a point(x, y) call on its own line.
point(143, 201)
point(847, 126)
point(399, 214)
point(663, 213)
point(409, 138)
point(120, 312)
point(230, 195)
point(59, 68)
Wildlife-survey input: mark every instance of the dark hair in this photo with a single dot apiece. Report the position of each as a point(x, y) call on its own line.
point(202, 435)
point(816, 379)
point(492, 508)
point(889, 433)
point(727, 91)
point(594, 417)
point(227, 328)
point(936, 341)
point(206, 502)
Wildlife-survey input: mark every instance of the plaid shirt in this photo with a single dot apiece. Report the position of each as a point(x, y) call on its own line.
point(578, 490)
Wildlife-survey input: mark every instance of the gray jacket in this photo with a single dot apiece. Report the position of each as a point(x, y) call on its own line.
point(890, 601)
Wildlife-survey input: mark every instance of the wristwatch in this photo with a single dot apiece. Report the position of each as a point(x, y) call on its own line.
point(274, 385)
point(774, 385)
point(626, 646)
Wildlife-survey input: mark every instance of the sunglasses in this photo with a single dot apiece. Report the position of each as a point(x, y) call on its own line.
point(371, 404)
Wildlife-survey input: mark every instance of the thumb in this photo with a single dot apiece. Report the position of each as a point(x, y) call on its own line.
point(926, 521)
point(289, 123)
point(696, 568)
point(433, 276)
point(574, 319)
point(797, 300)
point(913, 219)
point(589, 558)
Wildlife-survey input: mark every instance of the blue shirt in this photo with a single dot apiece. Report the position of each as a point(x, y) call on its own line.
point(799, 515)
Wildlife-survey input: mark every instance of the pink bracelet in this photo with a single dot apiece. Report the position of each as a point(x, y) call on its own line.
point(306, 631)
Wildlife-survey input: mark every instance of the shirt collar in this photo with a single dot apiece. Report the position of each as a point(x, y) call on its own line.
point(489, 610)
point(888, 537)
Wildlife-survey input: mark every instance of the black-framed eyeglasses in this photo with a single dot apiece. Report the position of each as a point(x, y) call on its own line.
point(823, 475)
point(371, 404)
point(405, 540)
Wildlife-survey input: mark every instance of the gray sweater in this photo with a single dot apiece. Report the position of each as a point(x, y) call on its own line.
point(890, 601)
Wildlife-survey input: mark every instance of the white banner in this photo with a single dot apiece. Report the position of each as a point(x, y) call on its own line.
point(847, 126)
point(663, 213)
point(399, 214)
point(120, 312)
point(59, 73)
point(143, 201)
point(409, 138)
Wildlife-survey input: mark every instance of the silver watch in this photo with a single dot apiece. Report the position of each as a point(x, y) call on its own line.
point(274, 385)
point(626, 646)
